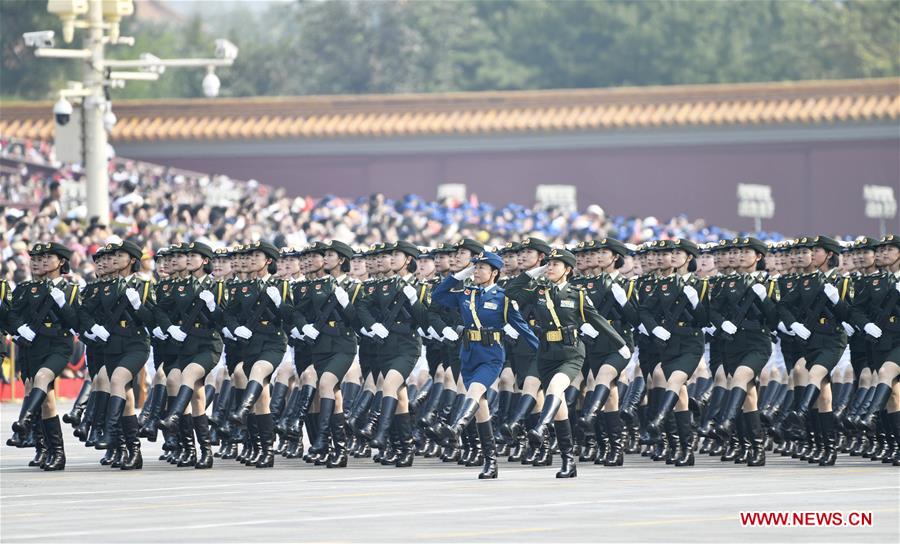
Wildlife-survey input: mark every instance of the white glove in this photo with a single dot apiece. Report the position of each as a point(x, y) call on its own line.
point(784, 329)
point(511, 331)
point(176, 333)
point(847, 328)
point(801, 330)
point(133, 297)
point(691, 295)
point(158, 332)
point(380, 331)
point(310, 331)
point(831, 292)
point(341, 296)
point(26, 332)
point(422, 333)
point(227, 334)
point(897, 286)
point(728, 327)
point(760, 290)
point(588, 330)
point(709, 330)
point(619, 294)
point(625, 352)
point(296, 334)
point(364, 332)
point(433, 333)
point(273, 293)
point(210, 300)
point(411, 293)
point(90, 336)
point(661, 333)
point(465, 273)
point(535, 272)
point(872, 330)
point(100, 332)
point(450, 334)
point(58, 297)
point(243, 332)
point(643, 330)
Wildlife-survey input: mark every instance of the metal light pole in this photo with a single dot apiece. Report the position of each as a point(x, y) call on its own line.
point(100, 18)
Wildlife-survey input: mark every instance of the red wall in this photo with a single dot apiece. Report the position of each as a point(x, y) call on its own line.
point(817, 186)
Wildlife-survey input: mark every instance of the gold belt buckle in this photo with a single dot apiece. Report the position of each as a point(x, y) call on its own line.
point(822, 321)
point(331, 324)
point(681, 323)
point(497, 337)
point(893, 319)
point(475, 336)
point(554, 336)
point(196, 325)
point(263, 322)
point(123, 324)
point(48, 325)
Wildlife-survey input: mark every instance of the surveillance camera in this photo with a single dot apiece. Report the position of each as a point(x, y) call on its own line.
point(41, 38)
point(226, 50)
point(211, 85)
point(62, 110)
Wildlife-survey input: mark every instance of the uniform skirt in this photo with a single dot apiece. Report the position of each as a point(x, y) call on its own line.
point(751, 349)
point(403, 364)
point(684, 355)
point(207, 355)
point(524, 366)
point(50, 353)
point(485, 373)
point(549, 368)
point(593, 361)
point(132, 360)
point(335, 363)
point(887, 349)
point(650, 355)
point(828, 353)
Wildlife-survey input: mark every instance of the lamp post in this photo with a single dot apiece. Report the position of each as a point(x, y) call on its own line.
point(100, 19)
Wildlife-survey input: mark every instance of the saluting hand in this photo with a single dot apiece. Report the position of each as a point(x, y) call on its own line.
point(465, 273)
point(539, 271)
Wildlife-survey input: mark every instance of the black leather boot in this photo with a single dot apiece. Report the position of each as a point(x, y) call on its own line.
point(407, 446)
point(517, 450)
point(150, 427)
point(795, 422)
point(438, 397)
point(251, 395)
point(201, 427)
point(632, 399)
point(322, 441)
point(476, 458)
point(279, 397)
point(732, 410)
point(114, 409)
point(177, 408)
point(360, 409)
point(388, 405)
point(56, 458)
point(551, 406)
point(73, 417)
point(513, 425)
point(666, 404)
point(266, 426)
point(589, 412)
point(757, 457)
point(685, 456)
point(223, 406)
point(449, 434)
point(41, 448)
point(589, 449)
point(188, 456)
point(564, 438)
point(338, 457)
point(489, 451)
point(83, 426)
point(879, 401)
point(829, 442)
point(615, 434)
point(31, 409)
point(134, 460)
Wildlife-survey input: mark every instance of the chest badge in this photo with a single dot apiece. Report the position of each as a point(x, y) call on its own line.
point(789, 284)
point(805, 283)
point(33, 290)
point(243, 289)
point(318, 287)
point(648, 289)
point(590, 285)
point(181, 288)
point(664, 287)
point(106, 289)
point(874, 282)
point(384, 287)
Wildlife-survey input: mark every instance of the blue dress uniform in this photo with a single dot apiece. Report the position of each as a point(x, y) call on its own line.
point(484, 311)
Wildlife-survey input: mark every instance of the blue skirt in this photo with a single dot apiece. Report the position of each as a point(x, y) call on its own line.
point(485, 373)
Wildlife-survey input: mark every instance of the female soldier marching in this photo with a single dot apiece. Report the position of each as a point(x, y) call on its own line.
point(562, 313)
point(487, 318)
point(254, 316)
point(42, 317)
point(193, 319)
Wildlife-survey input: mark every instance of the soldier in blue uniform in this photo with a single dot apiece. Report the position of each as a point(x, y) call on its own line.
point(487, 317)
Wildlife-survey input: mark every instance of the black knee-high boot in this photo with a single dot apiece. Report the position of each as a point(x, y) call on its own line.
point(407, 446)
point(730, 412)
point(564, 438)
point(632, 399)
point(448, 434)
point(188, 456)
point(757, 457)
point(489, 451)
point(551, 406)
point(615, 433)
point(294, 424)
point(31, 409)
point(277, 402)
point(338, 457)
point(361, 405)
point(438, 397)
point(322, 441)
point(513, 425)
point(177, 408)
point(666, 404)
point(222, 406)
point(589, 412)
point(716, 399)
point(134, 460)
point(685, 456)
point(204, 442)
point(251, 395)
point(266, 438)
point(56, 459)
point(388, 405)
point(41, 448)
point(157, 400)
point(114, 408)
point(829, 439)
point(73, 417)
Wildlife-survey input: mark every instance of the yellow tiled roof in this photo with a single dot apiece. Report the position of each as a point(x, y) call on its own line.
point(518, 112)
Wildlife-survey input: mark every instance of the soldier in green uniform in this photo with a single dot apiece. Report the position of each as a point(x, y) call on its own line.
point(125, 309)
point(254, 316)
point(392, 312)
point(614, 298)
point(816, 312)
point(743, 312)
point(193, 318)
point(674, 311)
point(562, 314)
point(43, 318)
point(163, 350)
